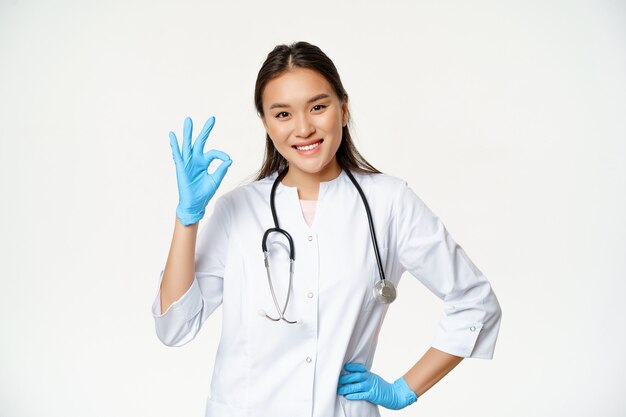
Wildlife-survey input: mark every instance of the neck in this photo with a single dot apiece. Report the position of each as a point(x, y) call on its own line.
point(308, 184)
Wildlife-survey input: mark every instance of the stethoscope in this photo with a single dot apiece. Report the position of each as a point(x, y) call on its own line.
point(384, 291)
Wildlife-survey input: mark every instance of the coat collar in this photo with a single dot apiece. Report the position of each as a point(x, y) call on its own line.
point(324, 185)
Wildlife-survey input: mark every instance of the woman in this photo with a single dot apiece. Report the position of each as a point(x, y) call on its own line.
point(300, 327)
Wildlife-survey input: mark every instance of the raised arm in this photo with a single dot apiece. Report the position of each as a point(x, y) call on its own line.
point(179, 308)
point(180, 266)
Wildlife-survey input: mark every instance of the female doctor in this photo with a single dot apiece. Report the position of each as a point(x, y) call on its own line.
point(306, 260)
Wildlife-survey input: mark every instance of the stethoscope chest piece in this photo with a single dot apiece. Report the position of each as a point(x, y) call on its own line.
point(384, 291)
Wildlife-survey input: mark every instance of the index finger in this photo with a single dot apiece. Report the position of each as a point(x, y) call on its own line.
point(213, 154)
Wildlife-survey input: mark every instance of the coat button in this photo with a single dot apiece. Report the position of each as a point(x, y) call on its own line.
point(472, 328)
point(310, 295)
point(310, 238)
point(309, 360)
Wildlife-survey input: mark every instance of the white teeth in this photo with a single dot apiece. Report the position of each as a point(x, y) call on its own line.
point(308, 147)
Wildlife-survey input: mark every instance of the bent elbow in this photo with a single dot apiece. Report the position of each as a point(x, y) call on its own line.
point(174, 333)
point(495, 310)
point(176, 327)
point(175, 338)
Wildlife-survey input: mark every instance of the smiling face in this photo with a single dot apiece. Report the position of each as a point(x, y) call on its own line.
point(301, 109)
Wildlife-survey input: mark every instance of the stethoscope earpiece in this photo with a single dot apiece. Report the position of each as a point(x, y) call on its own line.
point(262, 313)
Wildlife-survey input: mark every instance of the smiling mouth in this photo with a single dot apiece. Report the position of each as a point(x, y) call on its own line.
point(308, 147)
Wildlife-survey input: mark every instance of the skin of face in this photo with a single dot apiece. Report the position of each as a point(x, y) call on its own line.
point(301, 121)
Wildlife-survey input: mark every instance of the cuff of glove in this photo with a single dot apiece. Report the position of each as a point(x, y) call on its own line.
point(189, 218)
point(405, 391)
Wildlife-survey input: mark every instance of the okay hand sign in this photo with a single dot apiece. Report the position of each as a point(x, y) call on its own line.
point(196, 186)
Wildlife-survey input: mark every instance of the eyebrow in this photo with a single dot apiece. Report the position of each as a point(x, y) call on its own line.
point(311, 100)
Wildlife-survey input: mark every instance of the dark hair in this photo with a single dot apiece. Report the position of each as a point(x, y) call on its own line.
point(304, 55)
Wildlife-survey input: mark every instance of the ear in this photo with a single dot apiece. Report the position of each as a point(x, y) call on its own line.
point(344, 112)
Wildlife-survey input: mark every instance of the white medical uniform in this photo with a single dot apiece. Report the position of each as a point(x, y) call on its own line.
point(265, 368)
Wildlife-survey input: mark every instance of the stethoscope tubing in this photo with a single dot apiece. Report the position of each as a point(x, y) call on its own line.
point(371, 223)
point(292, 252)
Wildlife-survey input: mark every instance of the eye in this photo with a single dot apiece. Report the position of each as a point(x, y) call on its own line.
point(320, 105)
point(282, 112)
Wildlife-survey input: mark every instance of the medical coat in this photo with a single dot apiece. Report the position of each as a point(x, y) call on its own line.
point(265, 368)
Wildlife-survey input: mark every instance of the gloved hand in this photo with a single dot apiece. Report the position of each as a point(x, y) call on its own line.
point(195, 185)
point(361, 384)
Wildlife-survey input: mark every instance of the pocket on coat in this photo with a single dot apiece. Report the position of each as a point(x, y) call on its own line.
point(218, 409)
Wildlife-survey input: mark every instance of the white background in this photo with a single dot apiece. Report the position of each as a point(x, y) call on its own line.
point(506, 117)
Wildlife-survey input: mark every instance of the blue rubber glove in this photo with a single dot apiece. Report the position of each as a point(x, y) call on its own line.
point(195, 185)
point(361, 384)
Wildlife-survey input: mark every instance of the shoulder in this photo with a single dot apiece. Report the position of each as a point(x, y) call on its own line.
point(247, 192)
point(396, 192)
point(381, 183)
point(386, 193)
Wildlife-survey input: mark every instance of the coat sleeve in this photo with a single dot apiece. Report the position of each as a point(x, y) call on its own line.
point(180, 323)
point(470, 321)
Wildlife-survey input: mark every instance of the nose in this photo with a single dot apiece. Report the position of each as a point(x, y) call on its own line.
point(304, 126)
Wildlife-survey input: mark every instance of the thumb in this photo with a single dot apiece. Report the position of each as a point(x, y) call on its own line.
point(355, 367)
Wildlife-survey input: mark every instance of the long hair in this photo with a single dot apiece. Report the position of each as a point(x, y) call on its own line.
point(304, 55)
